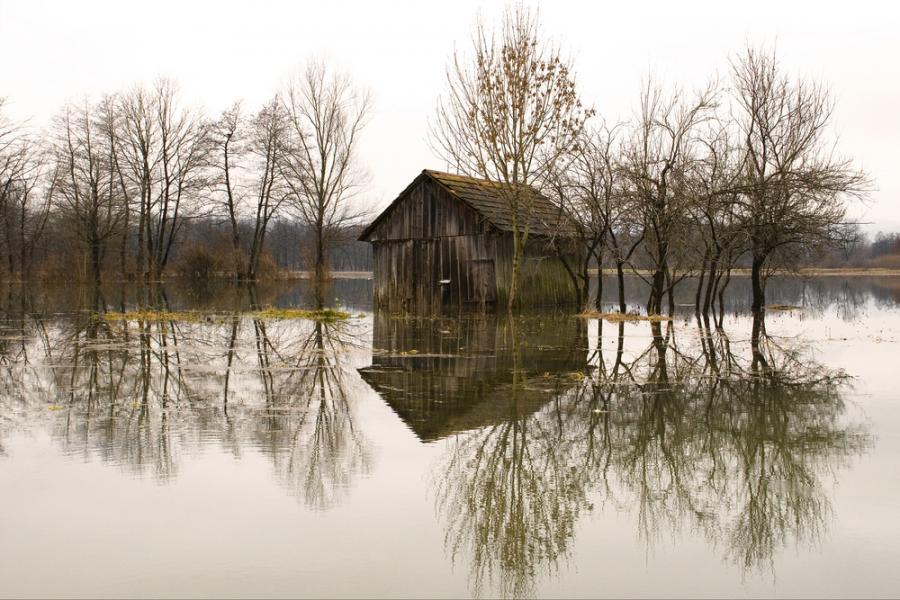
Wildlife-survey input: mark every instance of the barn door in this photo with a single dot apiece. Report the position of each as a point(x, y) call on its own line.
point(484, 283)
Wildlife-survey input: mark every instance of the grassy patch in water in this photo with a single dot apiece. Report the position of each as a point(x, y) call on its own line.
point(615, 317)
point(323, 314)
point(193, 316)
point(783, 307)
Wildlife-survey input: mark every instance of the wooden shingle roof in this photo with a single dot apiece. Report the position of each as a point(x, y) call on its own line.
point(485, 197)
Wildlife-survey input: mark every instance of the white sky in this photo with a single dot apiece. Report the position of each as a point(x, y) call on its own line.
point(227, 50)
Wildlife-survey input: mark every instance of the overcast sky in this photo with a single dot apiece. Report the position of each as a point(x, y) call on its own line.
point(225, 50)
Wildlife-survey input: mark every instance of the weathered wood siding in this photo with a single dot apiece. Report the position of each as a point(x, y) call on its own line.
point(409, 273)
point(432, 252)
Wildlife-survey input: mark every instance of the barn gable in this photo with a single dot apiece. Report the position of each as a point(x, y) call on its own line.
point(440, 204)
point(425, 210)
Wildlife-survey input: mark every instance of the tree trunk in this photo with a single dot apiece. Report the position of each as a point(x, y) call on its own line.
point(759, 292)
point(10, 249)
point(24, 268)
point(95, 262)
point(711, 283)
point(759, 364)
point(598, 299)
point(584, 284)
point(657, 288)
point(123, 246)
point(671, 293)
point(319, 293)
point(514, 276)
point(620, 276)
point(700, 282)
point(320, 267)
point(721, 294)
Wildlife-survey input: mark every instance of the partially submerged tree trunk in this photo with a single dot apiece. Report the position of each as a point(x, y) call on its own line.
point(757, 285)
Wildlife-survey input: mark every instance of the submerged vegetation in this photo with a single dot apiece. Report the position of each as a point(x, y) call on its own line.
point(194, 316)
point(615, 317)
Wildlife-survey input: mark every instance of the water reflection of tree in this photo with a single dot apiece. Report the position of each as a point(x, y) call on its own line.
point(740, 457)
point(121, 385)
point(479, 379)
point(310, 429)
point(731, 439)
point(510, 501)
point(141, 392)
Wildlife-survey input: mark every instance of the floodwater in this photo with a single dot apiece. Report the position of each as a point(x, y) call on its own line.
point(228, 454)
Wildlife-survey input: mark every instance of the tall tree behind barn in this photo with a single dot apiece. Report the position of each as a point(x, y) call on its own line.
point(447, 241)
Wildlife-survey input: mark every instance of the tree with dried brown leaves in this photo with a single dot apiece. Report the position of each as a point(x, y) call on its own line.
point(511, 112)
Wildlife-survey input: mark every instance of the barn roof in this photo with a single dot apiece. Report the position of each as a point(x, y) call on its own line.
point(484, 197)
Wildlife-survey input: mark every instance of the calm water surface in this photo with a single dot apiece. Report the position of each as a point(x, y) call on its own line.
point(230, 455)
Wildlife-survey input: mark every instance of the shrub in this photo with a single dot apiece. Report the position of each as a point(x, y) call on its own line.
point(199, 263)
point(266, 268)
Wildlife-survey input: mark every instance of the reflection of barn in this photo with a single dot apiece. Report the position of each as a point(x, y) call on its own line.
point(447, 241)
point(443, 377)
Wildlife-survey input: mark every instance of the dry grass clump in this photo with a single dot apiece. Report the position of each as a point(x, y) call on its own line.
point(615, 317)
point(189, 316)
point(193, 316)
point(323, 314)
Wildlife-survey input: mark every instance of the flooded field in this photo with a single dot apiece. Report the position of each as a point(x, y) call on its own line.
point(185, 444)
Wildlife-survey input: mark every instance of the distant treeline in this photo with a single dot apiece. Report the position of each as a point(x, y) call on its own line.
point(203, 250)
point(288, 249)
point(882, 251)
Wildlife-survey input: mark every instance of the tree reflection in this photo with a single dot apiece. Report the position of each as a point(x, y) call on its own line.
point(310, 429)
point(142, 391)
point(730, 439)
point(537, 420)
point(507, 505)
point(510, 501)
point(738, 452)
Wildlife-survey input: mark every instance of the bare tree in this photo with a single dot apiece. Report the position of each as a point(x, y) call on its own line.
point(326, 115)
point(165, 155)
point(795, 188)
point(657, 162)
point(23, 202)
point(719, 244)
point(268, 136)
point(510, 114)
point(249, 153)
point(137, 162)
point(228, 149)
point(589, 189)
point(86, 190)
point(184, 156)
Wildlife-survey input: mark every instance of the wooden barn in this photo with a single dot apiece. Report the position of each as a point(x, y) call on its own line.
point(446, 242)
